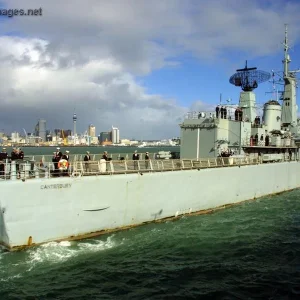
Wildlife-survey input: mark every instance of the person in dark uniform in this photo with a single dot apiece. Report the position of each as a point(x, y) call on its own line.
point(256, 139)
point(222, 112)
point(15, 157)
point(267, 140)
point(20, 154)
point(66, 156)
point(55, 161)
point(58, 154)
point(290, 154)
point(86, 160)
point(262, 139)
point(217, 111)
point(147, 157)
point(3, 157)
point(135, 158)
point(225, 113)
point(105, 155)
point(236, 115)
point(14, 154)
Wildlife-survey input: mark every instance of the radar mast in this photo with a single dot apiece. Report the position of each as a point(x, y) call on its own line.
point(289, 104)
point(248, 79)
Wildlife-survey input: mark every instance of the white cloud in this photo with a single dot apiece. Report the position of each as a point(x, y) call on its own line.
point(86, 56)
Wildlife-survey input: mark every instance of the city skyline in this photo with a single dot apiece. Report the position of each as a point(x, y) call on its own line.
point(128, 70)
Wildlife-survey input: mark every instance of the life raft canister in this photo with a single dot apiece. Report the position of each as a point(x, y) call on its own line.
point(63, 164)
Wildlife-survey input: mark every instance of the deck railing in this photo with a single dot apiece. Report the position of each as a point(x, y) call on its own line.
point(27, 170)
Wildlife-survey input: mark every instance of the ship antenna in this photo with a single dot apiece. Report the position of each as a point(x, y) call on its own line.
point(286, 60)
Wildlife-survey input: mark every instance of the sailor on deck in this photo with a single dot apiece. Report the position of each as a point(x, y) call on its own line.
point(105, 155)
point(147, 157)
point(135, 158)
point(217, 111)
point(66, 156)
point(86, 160)
point(3, 157)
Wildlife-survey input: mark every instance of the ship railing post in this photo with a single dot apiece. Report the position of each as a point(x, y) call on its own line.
point(125, 165)
point(112, 170)
point(150, 163)
point(47, 173)
point(36, 171)
point(173, 165)
point(208, 163)
point(13, 170)
point(182, 164)
point(222, 161)
point(26, 171)
point(6, 169)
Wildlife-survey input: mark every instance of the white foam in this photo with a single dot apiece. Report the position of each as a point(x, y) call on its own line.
point(54, 252)
point(10, 278)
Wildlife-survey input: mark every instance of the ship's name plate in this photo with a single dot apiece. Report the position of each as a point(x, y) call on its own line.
point(55, 186)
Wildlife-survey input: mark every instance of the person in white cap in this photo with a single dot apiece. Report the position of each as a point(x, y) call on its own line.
point(87, 159)
point(135, 157)
point(55, 162)
point(66, 156)
point(58, 153)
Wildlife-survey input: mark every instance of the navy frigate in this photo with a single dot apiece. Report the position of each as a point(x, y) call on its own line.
point(228, 155)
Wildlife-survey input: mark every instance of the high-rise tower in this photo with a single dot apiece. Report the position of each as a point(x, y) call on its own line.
point(74, 127)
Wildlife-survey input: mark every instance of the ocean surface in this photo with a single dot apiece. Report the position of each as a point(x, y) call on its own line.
point(249, 251)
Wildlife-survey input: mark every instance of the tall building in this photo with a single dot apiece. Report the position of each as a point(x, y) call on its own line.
point(74, 125)
point(15, 137)
point(40, 129)
point(92, 130)
point(115, 135)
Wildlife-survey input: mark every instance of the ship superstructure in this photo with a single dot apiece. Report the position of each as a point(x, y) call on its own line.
point(239, 129)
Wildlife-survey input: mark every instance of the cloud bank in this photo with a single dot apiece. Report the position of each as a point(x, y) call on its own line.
point(89, 57)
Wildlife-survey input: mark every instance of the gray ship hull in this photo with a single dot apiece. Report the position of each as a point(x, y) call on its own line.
point(42, 210)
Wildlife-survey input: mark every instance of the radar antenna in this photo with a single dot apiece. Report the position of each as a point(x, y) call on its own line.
point(249, 78)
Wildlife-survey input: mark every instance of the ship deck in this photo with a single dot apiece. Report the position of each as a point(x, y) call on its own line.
point(31, 170)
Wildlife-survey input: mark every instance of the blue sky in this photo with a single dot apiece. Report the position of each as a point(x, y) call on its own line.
point(135, 65)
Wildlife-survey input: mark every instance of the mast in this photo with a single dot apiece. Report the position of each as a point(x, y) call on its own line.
point(289, 105)
point(287, 59)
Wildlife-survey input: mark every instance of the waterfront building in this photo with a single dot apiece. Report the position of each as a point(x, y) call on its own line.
point(40, 129)
point(92, 130)
point(105, 138)
point(15, 138)
point(115, 135)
